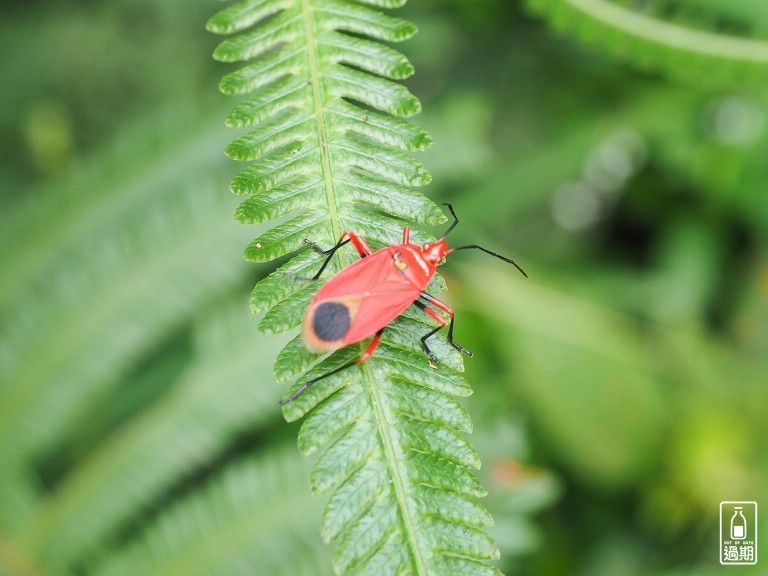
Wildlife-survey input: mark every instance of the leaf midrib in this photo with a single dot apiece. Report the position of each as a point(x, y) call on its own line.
point(382, 423)
point(391, 454)
point(673, 35)
point(313, 64)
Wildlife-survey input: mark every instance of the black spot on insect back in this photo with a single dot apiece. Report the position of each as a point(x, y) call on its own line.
point(331, 321)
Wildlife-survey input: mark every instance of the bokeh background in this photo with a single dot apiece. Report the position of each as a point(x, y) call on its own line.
point(621, 392)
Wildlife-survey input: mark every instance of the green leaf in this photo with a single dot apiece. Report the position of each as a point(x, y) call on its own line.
point(97, 280)
point(331, 152)
point(687, 51)
point(133, 467)
point(253, 514)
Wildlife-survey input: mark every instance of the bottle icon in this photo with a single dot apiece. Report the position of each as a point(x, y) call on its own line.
point(738, 525)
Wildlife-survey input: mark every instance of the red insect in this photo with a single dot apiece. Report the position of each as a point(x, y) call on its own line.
point(363, 298)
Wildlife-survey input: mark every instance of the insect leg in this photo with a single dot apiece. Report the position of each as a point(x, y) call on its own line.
point(448, 310)
point(441, 320)
point(367, 354)
point(362, 248)
point(371, 347)
point(329, 253)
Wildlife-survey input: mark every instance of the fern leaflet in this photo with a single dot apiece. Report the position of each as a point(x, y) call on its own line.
point(329, 151)
point(695, 54)
point(246, 520)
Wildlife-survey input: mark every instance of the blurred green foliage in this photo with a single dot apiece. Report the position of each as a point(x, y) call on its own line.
point(619, 392)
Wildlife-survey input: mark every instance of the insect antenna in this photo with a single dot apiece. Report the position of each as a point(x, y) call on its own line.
point(499, 256)
point(455, 220)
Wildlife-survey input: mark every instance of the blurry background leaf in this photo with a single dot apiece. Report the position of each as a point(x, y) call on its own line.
point(620, 392)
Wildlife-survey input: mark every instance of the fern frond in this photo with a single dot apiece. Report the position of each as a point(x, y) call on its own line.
point(92, 293)
point(703, 56)
point(329, 148)
point(215, 399)
point(252, 519)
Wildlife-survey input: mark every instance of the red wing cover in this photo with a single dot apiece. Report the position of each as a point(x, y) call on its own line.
point(358, 301)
